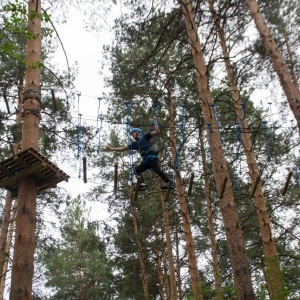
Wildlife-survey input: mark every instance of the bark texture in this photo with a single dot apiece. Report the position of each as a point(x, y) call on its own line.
point(24, 246)
point(239, 263)
point(274, 276)
point(289, 87)
point(189, 240)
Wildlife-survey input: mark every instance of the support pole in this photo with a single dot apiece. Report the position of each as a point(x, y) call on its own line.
point(84, 170)
point(191, 184)
point(255, 186)
point(287, 182)
point(223, 187)
point(116, 177)
point(138, 182)
point(54, 100)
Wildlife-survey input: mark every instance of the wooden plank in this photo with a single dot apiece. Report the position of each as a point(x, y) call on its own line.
point(25, 173)
point(287, 182)
point(30, 163)
point(137, 187)
point(191, 184)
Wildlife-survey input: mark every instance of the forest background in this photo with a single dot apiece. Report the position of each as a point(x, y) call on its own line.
point(154, 245)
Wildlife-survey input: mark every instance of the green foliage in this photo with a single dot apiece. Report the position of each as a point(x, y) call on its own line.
point(78, 265)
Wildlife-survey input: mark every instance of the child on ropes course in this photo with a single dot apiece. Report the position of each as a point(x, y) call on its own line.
point(142, 144)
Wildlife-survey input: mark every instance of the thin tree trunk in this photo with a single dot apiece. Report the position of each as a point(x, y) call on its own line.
point(178, 260)
point(139, 247)
point(169, 248)
point(211, 225)
point(166, 276)
point(24, 245)
point(288, 85)
point(192, 260)
point(274, 276)
point(158, 264)
point(5, 235)
point(239, 263)
point(291, 60)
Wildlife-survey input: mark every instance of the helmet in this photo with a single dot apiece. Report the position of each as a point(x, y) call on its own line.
point(136, 130)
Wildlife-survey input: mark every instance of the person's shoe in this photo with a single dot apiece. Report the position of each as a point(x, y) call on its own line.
point(166, 185)
point(143, 187)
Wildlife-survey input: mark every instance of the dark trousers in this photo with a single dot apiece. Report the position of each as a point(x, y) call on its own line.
point(150, 163)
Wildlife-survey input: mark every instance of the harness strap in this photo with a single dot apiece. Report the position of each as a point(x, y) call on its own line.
point(149, 154)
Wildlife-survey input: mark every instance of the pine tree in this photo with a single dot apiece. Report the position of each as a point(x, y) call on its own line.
point(77, 264)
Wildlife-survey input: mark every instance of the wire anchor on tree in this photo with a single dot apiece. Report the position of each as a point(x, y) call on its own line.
point(214, 112)
point(179, 143)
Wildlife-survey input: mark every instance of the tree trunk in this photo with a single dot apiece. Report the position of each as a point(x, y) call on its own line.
point(5, 240)
point(24, 246)
point(139, 247)
point(211, 225)
point(239, 263)
point(158, 264)
point(274, 276)
point(279, 65)
point(178, 259)
point(169, 248)
point(192, 260)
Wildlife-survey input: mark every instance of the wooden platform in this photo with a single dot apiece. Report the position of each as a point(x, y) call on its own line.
point(30, 163)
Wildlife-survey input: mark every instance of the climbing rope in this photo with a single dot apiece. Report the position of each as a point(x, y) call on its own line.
point(99, 133)
point(237, 155)
point(130, 153)
point(98, 130)
point(295, 158)
point(181, 127)
point(272, 121)
point(210, 140)
point(154, 122)
point(214, 112)
point(79, 130)
point(267, 140)
point(79, 144)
